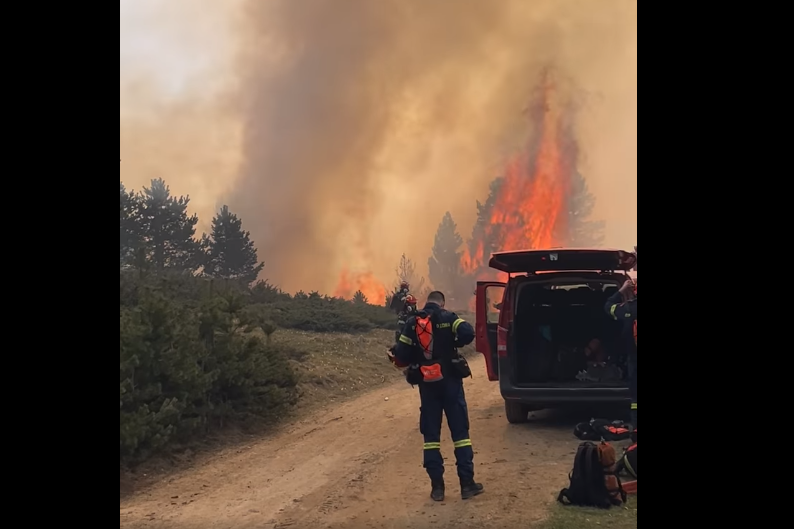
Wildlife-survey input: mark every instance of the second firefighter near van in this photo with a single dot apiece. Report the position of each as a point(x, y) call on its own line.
point(428, 349)
point(622, 306)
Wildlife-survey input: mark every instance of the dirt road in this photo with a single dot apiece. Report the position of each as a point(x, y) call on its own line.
point(359, 466)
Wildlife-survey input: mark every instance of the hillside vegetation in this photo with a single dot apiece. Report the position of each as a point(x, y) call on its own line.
point(196, 353)
point(204, 345)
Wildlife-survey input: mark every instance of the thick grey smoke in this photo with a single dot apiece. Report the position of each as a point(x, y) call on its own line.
point(357, 123)
point(364, 121)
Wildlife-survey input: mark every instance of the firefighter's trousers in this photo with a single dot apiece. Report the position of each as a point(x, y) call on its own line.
point(632, 365)
point(438, 398)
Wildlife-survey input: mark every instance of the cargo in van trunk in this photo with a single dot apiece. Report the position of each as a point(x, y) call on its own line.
point(564, 337)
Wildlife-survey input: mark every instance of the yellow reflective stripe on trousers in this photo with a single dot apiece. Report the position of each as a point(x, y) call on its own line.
point(404, 339)
point(432, 446)
point(633, 405)
point(455, 325)
point(462, 443)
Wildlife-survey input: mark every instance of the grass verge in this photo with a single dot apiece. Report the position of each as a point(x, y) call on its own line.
point(570, 517)
point(333, 367)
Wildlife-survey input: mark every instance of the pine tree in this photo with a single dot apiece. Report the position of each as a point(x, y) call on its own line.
point(359, 297)
point(167, 230)
point(129, 225)
point(484, 215)
point(444, 264)
point(230, 252)
point(581, 231)
point(484, 210)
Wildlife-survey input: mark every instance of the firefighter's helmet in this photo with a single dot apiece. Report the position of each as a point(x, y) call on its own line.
point(404, 285)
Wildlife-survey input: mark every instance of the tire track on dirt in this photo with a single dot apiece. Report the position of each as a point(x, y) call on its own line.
point(362, 468)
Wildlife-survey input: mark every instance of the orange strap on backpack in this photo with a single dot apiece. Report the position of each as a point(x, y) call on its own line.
point(424, 335)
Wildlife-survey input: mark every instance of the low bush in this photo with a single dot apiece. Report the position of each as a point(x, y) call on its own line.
point(196, 353)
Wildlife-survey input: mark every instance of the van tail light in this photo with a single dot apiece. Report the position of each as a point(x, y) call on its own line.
point(501, 342)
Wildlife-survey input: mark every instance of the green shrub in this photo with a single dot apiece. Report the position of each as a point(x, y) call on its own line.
point(189, 365)
point(195, 353)
point(325, 315)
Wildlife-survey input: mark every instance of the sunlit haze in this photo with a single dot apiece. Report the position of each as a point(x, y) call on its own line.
point(342, 131)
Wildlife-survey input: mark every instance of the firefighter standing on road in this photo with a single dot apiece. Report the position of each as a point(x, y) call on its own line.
point(622, 306)
point(428, 348)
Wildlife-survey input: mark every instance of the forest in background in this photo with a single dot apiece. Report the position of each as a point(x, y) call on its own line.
point(196, 322)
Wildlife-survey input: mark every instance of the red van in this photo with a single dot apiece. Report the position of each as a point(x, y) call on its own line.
point(544, 331)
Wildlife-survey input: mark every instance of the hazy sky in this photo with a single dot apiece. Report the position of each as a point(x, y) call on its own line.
point(166, 42)
point(320, 121)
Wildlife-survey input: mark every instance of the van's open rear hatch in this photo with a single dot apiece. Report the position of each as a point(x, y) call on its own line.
point(558, 260)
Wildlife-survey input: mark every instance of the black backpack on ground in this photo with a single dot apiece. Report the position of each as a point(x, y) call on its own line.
point(588, 486)
point(598, 429)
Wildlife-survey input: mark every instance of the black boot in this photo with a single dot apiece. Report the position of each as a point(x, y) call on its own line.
point(437, 494)
point(470, 489)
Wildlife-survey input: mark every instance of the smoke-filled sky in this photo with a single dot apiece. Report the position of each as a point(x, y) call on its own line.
point(342, 130)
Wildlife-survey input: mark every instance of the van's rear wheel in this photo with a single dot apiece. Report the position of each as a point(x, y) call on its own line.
point(516, 412)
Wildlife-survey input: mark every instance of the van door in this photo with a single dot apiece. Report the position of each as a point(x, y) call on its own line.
point(488, 302)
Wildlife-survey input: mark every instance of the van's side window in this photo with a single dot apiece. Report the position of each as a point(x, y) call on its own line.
point(493, 302)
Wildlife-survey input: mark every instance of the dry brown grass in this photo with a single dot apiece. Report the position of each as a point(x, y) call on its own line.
point(337, 366)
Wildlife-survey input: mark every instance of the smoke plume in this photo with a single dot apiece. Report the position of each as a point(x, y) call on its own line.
point(344, 129)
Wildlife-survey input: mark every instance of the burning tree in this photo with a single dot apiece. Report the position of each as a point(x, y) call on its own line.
point(541, 201)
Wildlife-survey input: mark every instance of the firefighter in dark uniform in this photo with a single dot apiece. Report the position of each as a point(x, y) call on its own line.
point(408, 309)
point(404, 304)
point(622, 306)
point(428, 349)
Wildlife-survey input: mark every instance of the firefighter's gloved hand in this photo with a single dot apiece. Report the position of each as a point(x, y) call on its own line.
point(393, 359)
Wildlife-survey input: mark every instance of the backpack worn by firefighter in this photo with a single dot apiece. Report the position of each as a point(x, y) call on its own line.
point(594, 479)
point(432, 367)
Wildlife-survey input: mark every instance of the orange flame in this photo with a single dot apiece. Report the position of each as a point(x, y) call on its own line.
point(530, 210)
point(349, 284)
